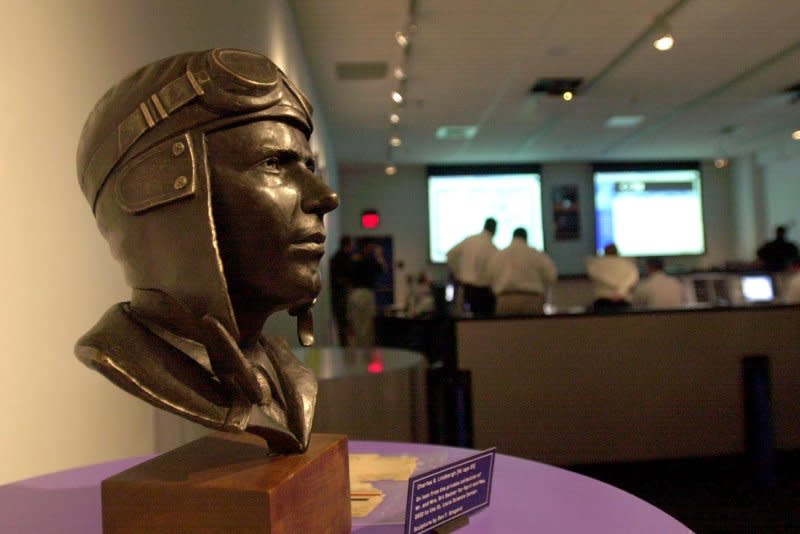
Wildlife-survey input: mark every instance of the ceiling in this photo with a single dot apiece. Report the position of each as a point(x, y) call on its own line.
point(718, 93)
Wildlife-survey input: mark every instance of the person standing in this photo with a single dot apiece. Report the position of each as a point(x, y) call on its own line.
point(468, 262)
point(341, 282)
point(614, 278)
point(520, 277)
point(659, 290)
point(778, 254)
point(368, 264)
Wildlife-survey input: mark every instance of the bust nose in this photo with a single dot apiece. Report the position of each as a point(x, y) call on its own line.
point(318, 197)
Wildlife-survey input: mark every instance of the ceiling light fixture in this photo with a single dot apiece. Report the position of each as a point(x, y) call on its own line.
point(400, 74)
point(664, 41)
point(567, 96)
point(721, 163)
point(401, 38)
point(556, 86)
point(796, 135)
point(456, 133)
point(624, 121)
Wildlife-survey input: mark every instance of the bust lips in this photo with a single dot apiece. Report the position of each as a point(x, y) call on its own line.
point(312, 243)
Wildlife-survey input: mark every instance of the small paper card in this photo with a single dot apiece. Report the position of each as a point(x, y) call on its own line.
point(449, 492)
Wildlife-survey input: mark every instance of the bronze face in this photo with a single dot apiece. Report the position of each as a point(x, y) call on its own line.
point(268, 208)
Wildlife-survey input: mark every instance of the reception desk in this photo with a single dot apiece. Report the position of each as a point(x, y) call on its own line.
point(635, 386)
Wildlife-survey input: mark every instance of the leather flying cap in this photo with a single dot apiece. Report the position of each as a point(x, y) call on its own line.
point(193, 91)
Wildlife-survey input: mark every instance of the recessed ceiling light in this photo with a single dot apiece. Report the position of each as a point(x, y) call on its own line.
point(721, 163)
point(624, 121)
point(399, 73)
point(664, 43)
point(664, 40)
point(390, 170)
point(796, 135)
point(397, 97)
point(567, 96)
point(395, 141)
point(394, 118)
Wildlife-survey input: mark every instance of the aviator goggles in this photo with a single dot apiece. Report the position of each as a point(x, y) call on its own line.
point(225, 82)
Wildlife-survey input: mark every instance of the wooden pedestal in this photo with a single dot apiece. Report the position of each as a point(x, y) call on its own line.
point(226, 483)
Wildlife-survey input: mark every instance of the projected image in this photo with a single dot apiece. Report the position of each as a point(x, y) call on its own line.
point(649, 213)
point(458, 205)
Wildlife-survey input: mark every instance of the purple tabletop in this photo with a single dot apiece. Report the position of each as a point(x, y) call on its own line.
point(527, 497)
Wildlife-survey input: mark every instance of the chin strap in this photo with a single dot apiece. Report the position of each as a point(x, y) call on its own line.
point(305, 323)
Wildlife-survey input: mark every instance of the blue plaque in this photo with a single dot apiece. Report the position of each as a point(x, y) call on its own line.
point(449, 492)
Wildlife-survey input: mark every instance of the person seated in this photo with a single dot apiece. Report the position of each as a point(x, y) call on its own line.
point(658, 290)
point(614, 278)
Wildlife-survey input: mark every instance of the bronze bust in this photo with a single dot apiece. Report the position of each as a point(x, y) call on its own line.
point(199, 173)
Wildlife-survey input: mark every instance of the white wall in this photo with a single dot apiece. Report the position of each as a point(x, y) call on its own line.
point(782, 194)
point(569, 254)
point(747, 202)
point(718, 218)
point(402, 202)
point(766, 189)
point(57, 276)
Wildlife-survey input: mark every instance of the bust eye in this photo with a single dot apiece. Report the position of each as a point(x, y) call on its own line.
point(311, 165)
point(270, 164)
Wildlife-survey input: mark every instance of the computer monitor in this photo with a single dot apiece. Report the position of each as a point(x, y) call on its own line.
point(757, 288)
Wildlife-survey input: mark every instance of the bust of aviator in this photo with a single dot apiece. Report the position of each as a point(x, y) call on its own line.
point(199, 173)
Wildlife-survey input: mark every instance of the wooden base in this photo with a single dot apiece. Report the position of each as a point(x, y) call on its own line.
point(226, 483)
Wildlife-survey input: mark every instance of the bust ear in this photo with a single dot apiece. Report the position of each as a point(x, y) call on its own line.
point(162, 175)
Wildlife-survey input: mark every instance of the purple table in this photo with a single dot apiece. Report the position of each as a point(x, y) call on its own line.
point(527, 497)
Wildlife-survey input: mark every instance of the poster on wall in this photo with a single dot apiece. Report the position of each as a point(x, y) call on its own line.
point(566, 213)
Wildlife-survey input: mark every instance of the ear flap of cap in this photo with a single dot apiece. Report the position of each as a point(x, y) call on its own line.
point(162, 175)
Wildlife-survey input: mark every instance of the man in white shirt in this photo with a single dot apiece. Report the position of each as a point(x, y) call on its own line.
point(520, 276)
point(468, 261)
point(659, 290)
point(614, 278)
